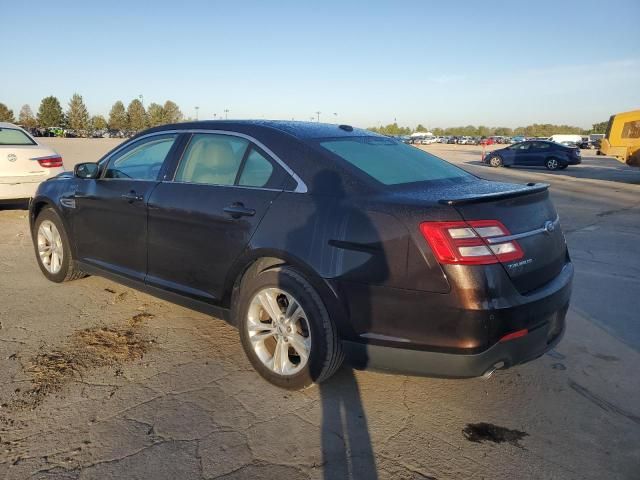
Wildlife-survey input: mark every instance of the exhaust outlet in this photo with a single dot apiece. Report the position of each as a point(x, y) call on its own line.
point(491, 370)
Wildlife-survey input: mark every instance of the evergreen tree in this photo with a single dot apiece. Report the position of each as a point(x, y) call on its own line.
point(50, 112)
point(26, 117)
point(136, 115)
point(172, 113)
point(6, 114)
point(77, 114)
point(155, 114)
point(98, 122)
point(118, 116)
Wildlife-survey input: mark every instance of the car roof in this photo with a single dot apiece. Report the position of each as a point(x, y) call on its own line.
point(8, 125)
point(301, 130)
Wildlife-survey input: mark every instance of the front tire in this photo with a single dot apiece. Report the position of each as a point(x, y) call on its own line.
point(285, 329)
point(52, 248)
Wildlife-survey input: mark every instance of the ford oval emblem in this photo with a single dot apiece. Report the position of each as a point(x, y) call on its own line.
point(12, 157)
point(549, 227)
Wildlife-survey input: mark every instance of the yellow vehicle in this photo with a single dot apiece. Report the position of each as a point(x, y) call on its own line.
point(622, 139)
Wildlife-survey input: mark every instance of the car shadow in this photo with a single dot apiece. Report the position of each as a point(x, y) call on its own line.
point(347, 451)
point(14, 204)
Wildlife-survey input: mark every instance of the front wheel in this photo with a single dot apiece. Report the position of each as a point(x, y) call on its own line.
point(285, 329)
point(495, 161)
point(551, 164)
point(52, 248)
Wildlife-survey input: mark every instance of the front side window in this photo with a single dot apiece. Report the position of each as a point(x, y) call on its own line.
point(142, 160)
point(520, 146)
point(212, 159)
point(13, 136)
point(391, 162)
point(540, 146)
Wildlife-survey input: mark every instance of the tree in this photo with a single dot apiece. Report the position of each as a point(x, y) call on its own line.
point(172, 113)
point(97, 122)
point(77, 114)
point(136, 115)
point(599, 127)
point(118, 116)
point(6, 114)
point(26, 117)
point(155, 115)
point(421, 128)
point(50, 112)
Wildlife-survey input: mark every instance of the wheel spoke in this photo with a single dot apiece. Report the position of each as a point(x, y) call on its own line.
point(261, 337)
point(268, 302)
point(293, 310)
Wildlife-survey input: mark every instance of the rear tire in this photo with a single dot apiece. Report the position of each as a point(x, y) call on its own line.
point(52, 247)
point(307, 339)
point(495, 161)
point(551, 163)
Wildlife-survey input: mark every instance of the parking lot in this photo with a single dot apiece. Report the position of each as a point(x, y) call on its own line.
point(100, 381)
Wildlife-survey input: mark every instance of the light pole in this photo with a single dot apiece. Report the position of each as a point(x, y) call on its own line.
point(226, 113)
point(141, 97)
point(215, 115)
point(318, 114)
point(335, 116)
point(197, 108)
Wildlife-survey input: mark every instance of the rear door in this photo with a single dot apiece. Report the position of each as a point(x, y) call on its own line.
point(203, 216)
point(110, 218)
point(533, 218)
point(18, 157)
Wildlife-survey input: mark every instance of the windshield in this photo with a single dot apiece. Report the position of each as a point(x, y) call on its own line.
point(391, 162)
point(13, 136)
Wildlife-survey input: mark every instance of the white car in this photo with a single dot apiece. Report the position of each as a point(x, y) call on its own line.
point(24, 163)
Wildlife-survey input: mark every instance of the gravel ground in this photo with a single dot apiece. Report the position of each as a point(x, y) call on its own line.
point(100, 381)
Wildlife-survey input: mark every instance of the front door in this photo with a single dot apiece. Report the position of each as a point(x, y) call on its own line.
point(110, 220)
point(202, 220)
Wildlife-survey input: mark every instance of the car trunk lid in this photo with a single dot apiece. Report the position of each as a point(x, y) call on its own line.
point(531, 220)
point(18, 164)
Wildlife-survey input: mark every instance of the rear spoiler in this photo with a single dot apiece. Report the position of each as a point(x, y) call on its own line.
point(527, 189)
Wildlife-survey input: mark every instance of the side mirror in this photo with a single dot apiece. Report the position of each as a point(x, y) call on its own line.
point(86, 170)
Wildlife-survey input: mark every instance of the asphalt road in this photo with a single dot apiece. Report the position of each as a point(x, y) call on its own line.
point(99, 381)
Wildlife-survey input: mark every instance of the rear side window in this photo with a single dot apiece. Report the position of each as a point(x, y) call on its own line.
point(212, 159)
point(13, 136)
point(540, 146)
point(257, 170)
point(391, 162)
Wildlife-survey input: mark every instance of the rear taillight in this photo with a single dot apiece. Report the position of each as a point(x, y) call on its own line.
point(50, 162)
point(465, 243)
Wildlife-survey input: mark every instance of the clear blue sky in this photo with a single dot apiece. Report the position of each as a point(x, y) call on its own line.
point(441, 63)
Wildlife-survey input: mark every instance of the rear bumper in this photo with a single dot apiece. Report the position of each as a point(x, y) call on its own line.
point(451, 365)
point(544, 317)
point(18, 191)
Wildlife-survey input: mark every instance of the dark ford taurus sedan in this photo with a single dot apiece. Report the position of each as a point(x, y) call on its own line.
point(537, 153)
point(318, 242)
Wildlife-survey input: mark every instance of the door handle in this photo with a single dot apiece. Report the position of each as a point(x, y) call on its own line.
point(237, 210)
point(132, 196)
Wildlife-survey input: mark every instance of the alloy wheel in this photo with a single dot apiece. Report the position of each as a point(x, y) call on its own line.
point(278, 330)
point(50, 247)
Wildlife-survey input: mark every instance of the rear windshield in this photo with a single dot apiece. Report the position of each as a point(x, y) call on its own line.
point(12, 136)
point(391, 162)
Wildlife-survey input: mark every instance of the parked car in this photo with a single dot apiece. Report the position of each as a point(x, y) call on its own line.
point(360, 246)
point(552, 155)
point(487, 141)
point(24, 163)
point(452, 140)
point(518, 139)
point(587, 145)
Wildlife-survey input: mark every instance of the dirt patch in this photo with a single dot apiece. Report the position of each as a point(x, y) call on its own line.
point(85, 349)
point(487, 432)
